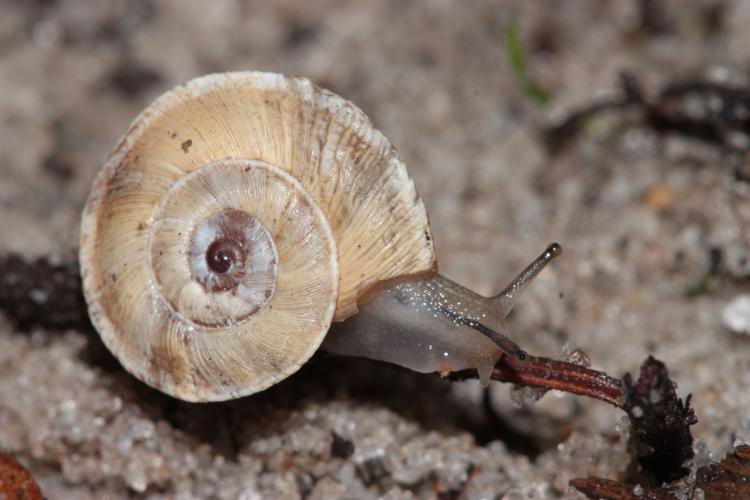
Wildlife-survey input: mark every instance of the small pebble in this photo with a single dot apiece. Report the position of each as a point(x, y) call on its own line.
point(736, 315)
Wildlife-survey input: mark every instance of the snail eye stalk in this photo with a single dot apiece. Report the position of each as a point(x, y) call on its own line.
point(509, 296)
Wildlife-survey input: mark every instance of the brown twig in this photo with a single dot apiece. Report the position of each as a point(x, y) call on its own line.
point(546, 373)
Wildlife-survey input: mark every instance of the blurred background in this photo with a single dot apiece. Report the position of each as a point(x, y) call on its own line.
point(648, 195)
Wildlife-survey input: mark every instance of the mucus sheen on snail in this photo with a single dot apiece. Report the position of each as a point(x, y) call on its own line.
point(429, 323)
point(288, 223)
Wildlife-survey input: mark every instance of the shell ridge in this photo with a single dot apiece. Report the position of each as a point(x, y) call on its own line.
point(351, 187)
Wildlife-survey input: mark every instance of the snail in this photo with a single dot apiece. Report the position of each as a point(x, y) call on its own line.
point(241, 216)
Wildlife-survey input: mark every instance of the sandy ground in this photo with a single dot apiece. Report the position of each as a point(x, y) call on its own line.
point(639, 214)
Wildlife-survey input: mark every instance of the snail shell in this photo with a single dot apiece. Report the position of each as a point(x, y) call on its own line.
point(239, 216)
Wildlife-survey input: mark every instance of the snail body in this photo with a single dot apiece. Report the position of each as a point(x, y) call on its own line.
point(243, 214)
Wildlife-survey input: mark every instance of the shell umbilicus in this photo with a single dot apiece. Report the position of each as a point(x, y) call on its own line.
point(245, 213)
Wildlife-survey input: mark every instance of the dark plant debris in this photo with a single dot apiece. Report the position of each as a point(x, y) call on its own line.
point(42, 293)
point(130, 78)
point(729, 479)
point(59, 166)
point(715, 113)
point(558, 136)
point(372, 470)
point(16, 482)
point(660, 423)
point(340, 446)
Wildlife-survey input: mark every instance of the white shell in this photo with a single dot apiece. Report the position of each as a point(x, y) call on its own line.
point(306, 168)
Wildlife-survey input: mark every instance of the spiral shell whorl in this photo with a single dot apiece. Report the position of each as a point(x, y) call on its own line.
point(281, 158)
point(213, 265)
point(204, 337)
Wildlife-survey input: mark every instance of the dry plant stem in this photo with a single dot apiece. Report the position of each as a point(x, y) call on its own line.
point(552, 374)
